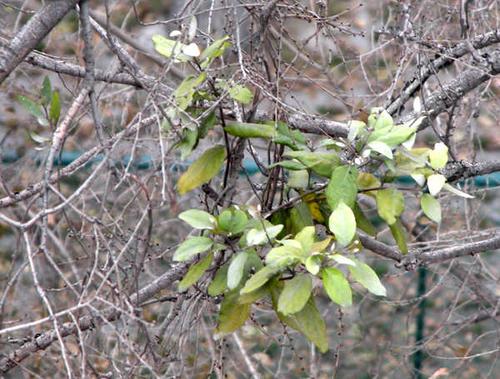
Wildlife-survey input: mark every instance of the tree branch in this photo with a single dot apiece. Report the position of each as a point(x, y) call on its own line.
point(44, 340)
point(31, 34)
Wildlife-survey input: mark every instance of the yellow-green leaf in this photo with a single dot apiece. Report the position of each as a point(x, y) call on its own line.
point(342, 187)
point(195, 272)
point(249, 130)
point(260, 278)
point(235, 271)
point(390, 204)
point(431, 207)
point(438, 157)
point(198, 219)
point(342, 223)
point(219, 282)
point(202, 170)
point(399, 235)
point(232, 314)
point(337, 287)
point(364, 275)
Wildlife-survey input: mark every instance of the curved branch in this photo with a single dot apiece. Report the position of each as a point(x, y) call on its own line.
point(31, 34)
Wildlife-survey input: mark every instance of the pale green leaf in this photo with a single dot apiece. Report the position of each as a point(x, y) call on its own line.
point(216, 49)
point(379, 119)
point(298, 179)
point(284, 256)
point(191, 247)
point(431, 207)
point(342, 186)
point(198, 219)
point(364, 275)
point(202, 170)
point(195, 272)
point(235, 271)
point(241, 94)
point(337, 287)
point(342, 223)
point(390, 204)
point(295, 294)
point(435, 183)
point(354, 128)
point(397, 135)
point(322, 163)
point(170, 48)
point(381, 148)
point(306, 238)
point(33, 108)
point(259, 236)
point(438, 157)
point(313, 264)
point(343, 260)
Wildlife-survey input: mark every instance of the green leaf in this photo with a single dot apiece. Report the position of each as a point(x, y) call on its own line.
point(363, 222)
point(342, 260)
point(435, 183)
point(366, 181)
point(354, 128)
point(390, 204)
point(202, 170)
point(184, 94)
point(431, 207)
point(289, 165)
point(260, 278)
point(249, 130)
point(283, 256)
point(241, 94)
point(321, 163)
point(232, 220)
point(299, 217)
point(342, 223)
point(192, 246)
point(195, 272)
point(216, 49)
point(219, 282)
point(399, 235)
point(364, 275)
point(232, 314)
point(188, 142)
point(46, 92)
point(379, 119)
point(307, 321)
point(55, 108)
point(397, 135)
point(235, 271)
point(259, 236)
point(337, 287)
point(381, 148)
point(33, 108)
point(439, 156)
point(306, 238)
point(170, 48)
point(298, 179)
point(313, 264)
point(295, 294)
point(342, 187)
point(198, 219)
